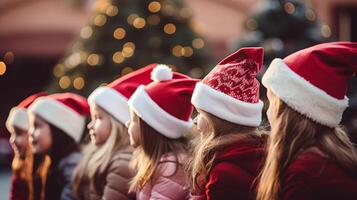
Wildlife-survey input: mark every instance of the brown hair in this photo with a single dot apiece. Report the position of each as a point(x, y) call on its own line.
point(291, 135)
point(146, 158)
point(97, 159)
point(205, 146)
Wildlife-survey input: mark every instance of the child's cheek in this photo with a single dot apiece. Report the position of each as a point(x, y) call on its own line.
point(202, 125)
point(134, 134)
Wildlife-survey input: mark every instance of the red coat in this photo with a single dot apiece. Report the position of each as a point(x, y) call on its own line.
point(311, 176)
point(234, 172)
point(18, 189)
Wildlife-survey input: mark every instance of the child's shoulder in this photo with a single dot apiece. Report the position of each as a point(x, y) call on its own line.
point(314, 166)
point(123, 154)
point(71, 159)
point(180, 157)
point(171, 163)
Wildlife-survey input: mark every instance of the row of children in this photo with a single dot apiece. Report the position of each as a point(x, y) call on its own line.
point(144, 144)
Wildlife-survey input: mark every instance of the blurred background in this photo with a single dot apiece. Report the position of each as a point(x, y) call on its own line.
point(77, 45)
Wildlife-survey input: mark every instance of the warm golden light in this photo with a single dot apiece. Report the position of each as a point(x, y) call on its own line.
point(100, 20)
point(187, 51)
point(170, 28)
point(78, 83)
point(2, 68)
point(176, 51)
point(119, 33)
point(310, 15)
point(93, 59)
point(139, 22)
point(326, 31)
point(198, 43)
point(126, 71)
point(58, 70)
point(154, 7)
point(86, 32)
point(118, 57)
point(64, 82)
point(9, 57)
point(289, 8)
point(112, 11)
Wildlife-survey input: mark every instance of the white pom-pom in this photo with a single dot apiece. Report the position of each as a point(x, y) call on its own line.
point(161, 73)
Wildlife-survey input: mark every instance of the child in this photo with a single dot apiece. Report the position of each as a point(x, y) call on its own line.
point(17, 124)
point(228, 153)
point(56, 125)
point(104, 171)
point(308, 155)
point(160, 117)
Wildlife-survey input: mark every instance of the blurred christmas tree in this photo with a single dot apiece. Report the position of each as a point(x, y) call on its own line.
point(283, 27)
point(124, 35)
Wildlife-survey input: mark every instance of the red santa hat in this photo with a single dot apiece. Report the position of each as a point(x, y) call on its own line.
point(313, 81)
point(231, 91)
point(66, 111)
point(18, 115)
point(165, 103)
point(113, 98)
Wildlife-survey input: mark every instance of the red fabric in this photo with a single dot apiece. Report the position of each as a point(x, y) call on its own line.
point(73, 101)
point(234, 172)
point(312, 177)
point(326, 66)
point(174, 96)
point(29, 100)
point(235, 75)
point(18, 189)
point(127, 84)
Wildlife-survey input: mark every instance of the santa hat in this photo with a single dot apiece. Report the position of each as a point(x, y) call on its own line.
point(165, 103)
point(231, 91)
point(313, 81)
point(18, 115)
point(66, 111)
point(113, 98)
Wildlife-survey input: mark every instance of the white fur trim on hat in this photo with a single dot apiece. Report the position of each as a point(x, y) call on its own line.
point(226, 107)
point(303, 96)
point(161, 73)
point(112, 102)
point(157, 117)
point(18, 118)
point(59, 115)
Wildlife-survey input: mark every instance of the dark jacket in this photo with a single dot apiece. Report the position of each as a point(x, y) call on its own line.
point(58, 184)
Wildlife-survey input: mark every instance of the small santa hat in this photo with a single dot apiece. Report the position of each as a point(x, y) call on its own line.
point(231, 91)
point(113, 98)
point(66, 111)
point(18, 115)
point(313, 81)
point(165, 103)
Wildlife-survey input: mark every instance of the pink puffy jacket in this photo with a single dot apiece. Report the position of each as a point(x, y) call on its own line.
point(166, 184)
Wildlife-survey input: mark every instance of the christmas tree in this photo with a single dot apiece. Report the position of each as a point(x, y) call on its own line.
point(283, 27)
point(123, 35)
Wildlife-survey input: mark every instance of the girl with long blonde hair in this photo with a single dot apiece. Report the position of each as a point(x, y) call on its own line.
point(104, 171)
point(160, 118)
point(229, 150)
point(308, 155)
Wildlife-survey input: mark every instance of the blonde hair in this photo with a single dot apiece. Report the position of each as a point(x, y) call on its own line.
point(147, 155)
point(291, 135)
point(97, 158)
point(205, 147)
